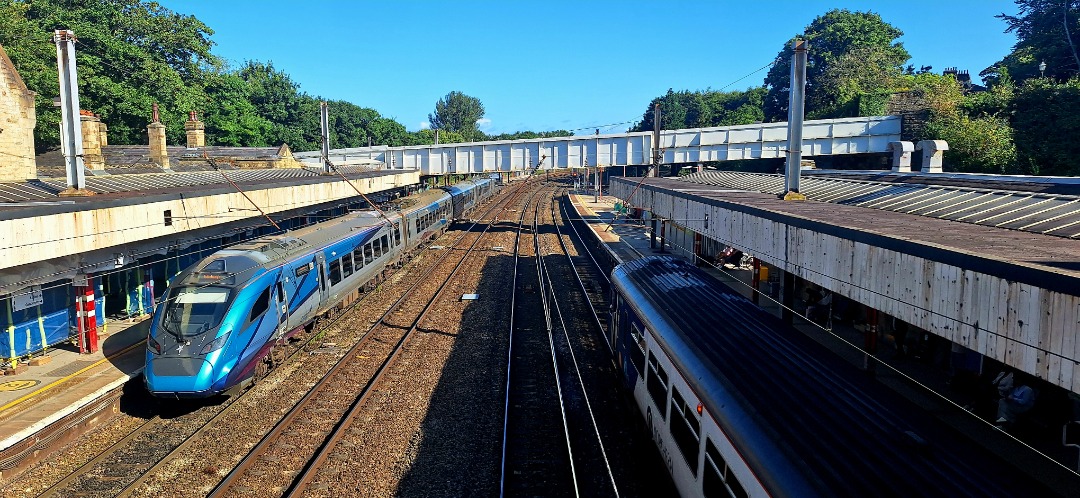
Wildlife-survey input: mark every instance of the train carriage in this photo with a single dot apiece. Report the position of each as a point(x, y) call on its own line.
point(223, 316)
point(741, 404)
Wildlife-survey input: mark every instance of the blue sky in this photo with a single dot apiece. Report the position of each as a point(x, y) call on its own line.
point(559, 64)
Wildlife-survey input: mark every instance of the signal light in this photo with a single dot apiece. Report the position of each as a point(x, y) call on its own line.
point(699, 408)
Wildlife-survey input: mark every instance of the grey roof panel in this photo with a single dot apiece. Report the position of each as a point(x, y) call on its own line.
point(984, 202)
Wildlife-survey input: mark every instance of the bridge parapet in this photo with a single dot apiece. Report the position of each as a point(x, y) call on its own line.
point(864, 135)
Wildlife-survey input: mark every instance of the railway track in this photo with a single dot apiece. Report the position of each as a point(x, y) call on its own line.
point(536, 458)
point(304, 441)
point(419, 427)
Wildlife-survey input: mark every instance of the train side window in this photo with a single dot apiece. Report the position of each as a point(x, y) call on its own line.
point(261, 304)
point(657, 383)
point(418, 225)
point(377, 246)
point(369, 256)
point(685, 428)
point(637, 348)
point(358, 257)
point(386, 243)
point(335, 271)
point(280, 292)
point(397, 235)
point(718, 481)
point(346, 265)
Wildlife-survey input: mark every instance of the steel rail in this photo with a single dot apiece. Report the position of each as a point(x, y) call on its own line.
point(570, 348)
point(301, 482)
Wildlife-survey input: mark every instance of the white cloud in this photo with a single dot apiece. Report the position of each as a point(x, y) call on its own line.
point(483, 123)
point(425, 125)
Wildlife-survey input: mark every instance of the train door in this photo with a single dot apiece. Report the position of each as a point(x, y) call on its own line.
point(281, 303)
point(324, 283)
point(302, 291)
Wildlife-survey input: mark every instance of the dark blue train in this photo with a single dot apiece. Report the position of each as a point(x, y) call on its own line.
point(741, 404)
point(222, 318)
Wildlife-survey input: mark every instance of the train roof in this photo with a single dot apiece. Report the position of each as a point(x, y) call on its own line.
point(790, 404)
point(466, 185)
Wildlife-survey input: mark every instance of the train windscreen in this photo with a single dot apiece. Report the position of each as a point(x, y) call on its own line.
point(192, 310)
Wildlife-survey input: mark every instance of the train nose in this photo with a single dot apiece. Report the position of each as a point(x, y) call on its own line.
point(179, 375)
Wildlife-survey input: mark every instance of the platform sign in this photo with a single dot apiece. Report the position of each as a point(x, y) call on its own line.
point(27, 298)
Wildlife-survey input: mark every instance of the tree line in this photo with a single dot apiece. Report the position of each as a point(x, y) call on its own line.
point(1024, 121)
point(133, 53)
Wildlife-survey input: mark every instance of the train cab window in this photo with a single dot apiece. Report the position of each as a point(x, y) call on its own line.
point(637, 348)
point(685, 429)
point(358, 257)
point(261, 304)
point(369, 256)
point(335, 271)
point(718, 481)
point(346, 265)
point(657, 383)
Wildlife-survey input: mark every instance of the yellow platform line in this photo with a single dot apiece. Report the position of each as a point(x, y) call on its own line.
point(58, 382)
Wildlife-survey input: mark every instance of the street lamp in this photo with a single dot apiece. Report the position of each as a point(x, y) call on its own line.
point(1042, 69)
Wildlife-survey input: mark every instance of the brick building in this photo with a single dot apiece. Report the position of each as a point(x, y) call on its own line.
point(17, 120)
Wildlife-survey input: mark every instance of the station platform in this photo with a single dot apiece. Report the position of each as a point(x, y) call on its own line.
point(64, 392)
point(1038, 451)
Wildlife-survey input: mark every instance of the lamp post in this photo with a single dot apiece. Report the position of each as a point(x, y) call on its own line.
point(1042, 69)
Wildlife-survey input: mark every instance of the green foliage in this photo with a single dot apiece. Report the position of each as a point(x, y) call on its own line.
point(976, 145)
point(686, 109)
point(458, 113)
point(130, 55)
point(526, 135)
point(1046, 123)
point(1046, 31)
point(837, 71)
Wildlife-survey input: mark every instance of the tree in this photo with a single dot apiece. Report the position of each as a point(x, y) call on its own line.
point(1046, 31)
point(457, 112)
point(1046, 123)
point(702, 109)
point(836, 39)
point(130, 54)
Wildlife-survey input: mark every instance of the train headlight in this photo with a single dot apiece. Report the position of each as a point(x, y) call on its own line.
point(153, 345)
point(216, 344)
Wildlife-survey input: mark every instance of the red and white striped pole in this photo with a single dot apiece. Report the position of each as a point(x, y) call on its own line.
point(85, 317)
point(91, 315)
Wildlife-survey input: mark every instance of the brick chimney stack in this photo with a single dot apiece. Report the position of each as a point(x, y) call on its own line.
point(92, 135)
point(196, 134)
point(156, 132)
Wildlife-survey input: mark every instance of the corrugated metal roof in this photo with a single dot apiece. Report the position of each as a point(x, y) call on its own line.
point(47, 189)
point(1051, 214)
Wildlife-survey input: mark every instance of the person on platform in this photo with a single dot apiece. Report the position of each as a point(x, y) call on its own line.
point(1017, 402)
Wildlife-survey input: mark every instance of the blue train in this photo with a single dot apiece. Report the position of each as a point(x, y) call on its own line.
point(741, 404)
point(222, 318)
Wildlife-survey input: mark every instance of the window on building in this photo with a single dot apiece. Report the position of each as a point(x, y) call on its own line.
point(657, 383)
point(717, 480)
point(335, 271)
point(685, 428)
